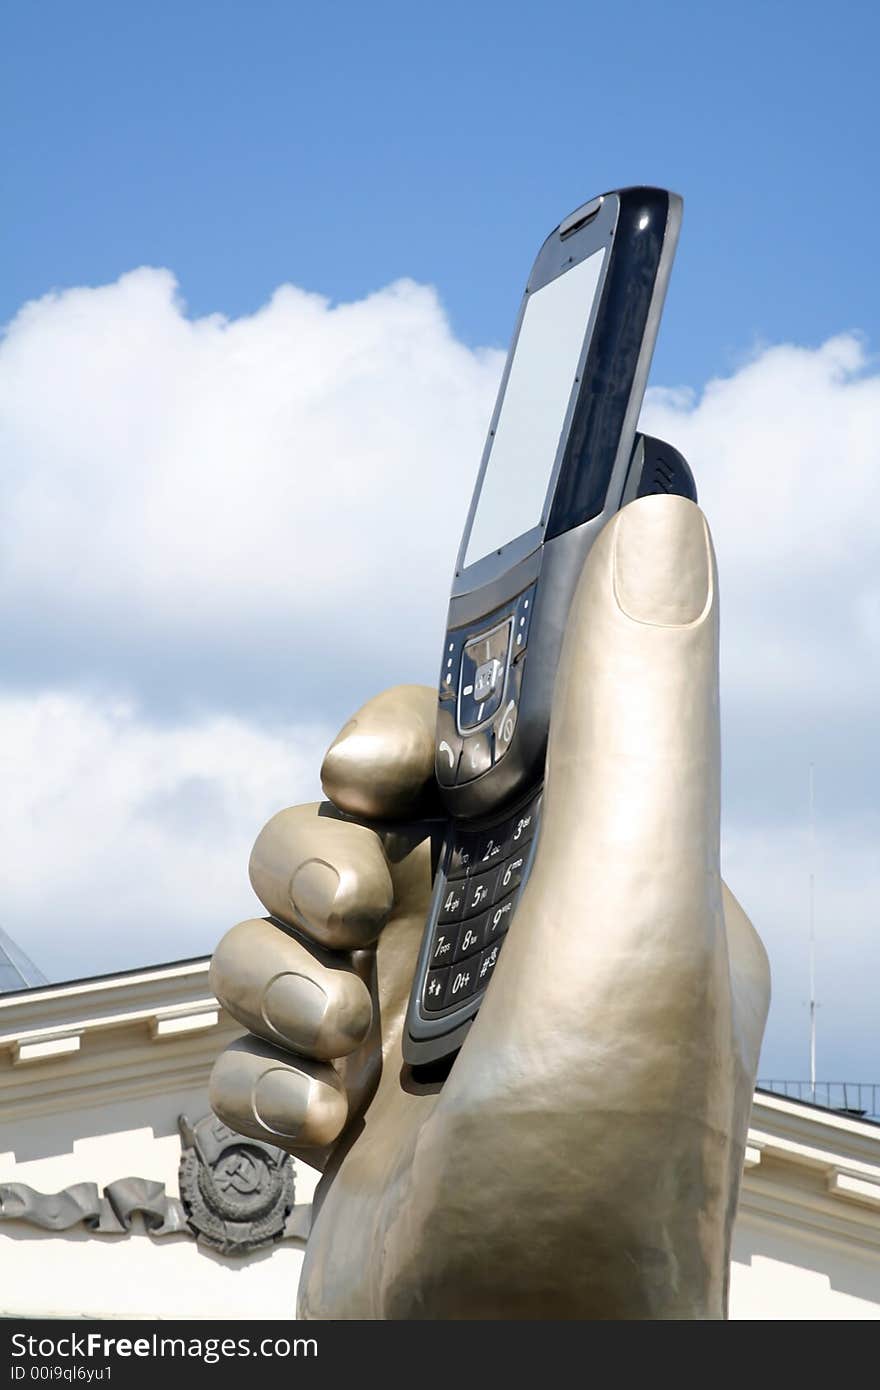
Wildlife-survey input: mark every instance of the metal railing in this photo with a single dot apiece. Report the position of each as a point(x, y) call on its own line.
point(860, 1099)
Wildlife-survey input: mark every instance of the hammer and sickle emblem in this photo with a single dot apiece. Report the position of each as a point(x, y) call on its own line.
point(239, 1172)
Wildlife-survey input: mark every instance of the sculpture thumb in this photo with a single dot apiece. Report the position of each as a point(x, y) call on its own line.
point(593, 1123)
point(614, 984)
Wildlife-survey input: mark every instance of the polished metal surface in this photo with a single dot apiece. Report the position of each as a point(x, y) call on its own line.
point(382, 763)
point(583, 1157)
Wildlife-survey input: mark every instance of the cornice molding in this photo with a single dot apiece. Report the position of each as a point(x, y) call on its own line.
point(108, 1002)
point(775, 1203)
point(834, 1166)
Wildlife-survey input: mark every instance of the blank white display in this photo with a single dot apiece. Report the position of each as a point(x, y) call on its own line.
point(533, 411)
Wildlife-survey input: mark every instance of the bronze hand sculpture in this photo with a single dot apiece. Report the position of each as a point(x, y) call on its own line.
point(583, 1157)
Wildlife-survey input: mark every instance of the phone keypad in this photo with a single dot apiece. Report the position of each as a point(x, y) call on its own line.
point(485, 872)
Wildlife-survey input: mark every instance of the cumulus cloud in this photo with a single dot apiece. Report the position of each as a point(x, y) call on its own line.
point(248, 504)
point(218, 537)
point(126, 842)
point(787, 456)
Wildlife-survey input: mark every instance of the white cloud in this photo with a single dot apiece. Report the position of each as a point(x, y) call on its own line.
point(126, 842)
point(297, 476)
point(262, 497)
point(787, 458)
point(218, 537)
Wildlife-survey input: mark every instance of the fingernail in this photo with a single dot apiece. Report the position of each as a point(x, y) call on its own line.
point(281, 1100)
point(313, 890)
point(295, 1006)
point(662, 570)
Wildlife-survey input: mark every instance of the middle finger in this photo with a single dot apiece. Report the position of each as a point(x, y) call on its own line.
point(282, 991)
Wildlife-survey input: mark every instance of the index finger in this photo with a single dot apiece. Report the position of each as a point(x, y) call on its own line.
point(381, 765)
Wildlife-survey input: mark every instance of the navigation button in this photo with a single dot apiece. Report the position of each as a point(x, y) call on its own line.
point(483, 668)
point(505, 720)
point(486, 679)
point(476, 757)
point(505, 727)
point(447, 752)
point(447, 764)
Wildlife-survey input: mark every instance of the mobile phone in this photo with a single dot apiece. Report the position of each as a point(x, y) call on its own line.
point(562, 456)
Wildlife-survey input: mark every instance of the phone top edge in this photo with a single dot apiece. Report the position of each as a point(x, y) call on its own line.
point(559, 251)
point(588, 210)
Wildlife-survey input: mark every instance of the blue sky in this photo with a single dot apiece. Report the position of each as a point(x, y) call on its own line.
point(347, 145)
point(198, 185)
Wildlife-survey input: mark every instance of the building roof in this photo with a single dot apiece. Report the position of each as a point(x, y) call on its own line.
point(17, 970)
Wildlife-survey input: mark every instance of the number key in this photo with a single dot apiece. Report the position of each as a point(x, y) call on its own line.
point(462, 982)
point(462, 858)
point(442, 951)
point(511, 874)
point(499, 918)
point(452, 902)
point(471, 937)
point(480, 891)
point(523, 828)
point(491, 848)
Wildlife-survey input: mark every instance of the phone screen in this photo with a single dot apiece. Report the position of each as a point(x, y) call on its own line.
point(534, 407)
